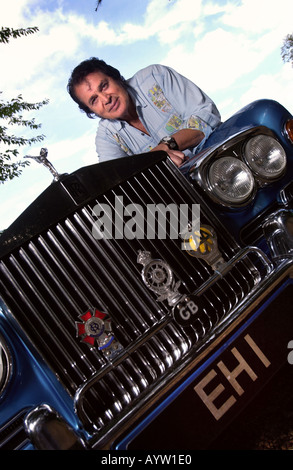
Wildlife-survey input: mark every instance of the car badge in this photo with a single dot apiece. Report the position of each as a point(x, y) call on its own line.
point(158, 277)
point(203, 244)
point(96, 329)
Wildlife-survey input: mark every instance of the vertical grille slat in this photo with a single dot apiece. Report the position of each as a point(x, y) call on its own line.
point(40, 324)
point(13, 435)
point(117, 276)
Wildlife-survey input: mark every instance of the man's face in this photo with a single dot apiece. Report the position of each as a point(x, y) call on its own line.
point(104, 96)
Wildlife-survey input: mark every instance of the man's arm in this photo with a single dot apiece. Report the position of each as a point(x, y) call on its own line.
point(185, 138)
point(198, 111)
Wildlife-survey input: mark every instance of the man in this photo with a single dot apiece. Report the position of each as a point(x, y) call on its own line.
point(156, 109)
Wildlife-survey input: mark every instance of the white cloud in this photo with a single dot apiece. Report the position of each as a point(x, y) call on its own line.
point(221, 67)
point(224, 55)
point(82, 147)
point(232, 56)
point(259, 16)
point(276, 87)
point(12, 16)
point(169, 21)
point(37, 56)
point(212, 8)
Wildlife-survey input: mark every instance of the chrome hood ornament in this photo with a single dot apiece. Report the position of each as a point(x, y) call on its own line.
point(42, 158)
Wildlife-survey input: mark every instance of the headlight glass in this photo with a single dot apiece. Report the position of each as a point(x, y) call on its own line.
point(231, 181)
point(265, 157)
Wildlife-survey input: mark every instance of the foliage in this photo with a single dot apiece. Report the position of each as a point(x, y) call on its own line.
point(10, 111)
point(11, 114)
point(98, 4)
point(7, 33)
point(287, 49)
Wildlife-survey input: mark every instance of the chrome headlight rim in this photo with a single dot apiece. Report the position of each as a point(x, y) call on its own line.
point(253, 161)
point(5, 365)
point(230, 201)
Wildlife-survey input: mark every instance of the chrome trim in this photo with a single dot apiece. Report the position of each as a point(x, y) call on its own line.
point(5, 364)
point(278, 231)
point(47, 430)
point(12, 435)
point(286, 194)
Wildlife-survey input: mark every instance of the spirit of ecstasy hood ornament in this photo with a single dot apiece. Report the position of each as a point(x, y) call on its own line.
point(42, 158)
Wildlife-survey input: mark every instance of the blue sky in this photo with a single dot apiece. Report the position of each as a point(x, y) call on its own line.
point(230, 48)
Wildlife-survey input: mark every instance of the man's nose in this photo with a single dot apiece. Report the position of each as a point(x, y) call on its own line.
point(106, 98)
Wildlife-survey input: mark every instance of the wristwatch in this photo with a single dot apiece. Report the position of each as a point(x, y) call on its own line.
point(170, 141)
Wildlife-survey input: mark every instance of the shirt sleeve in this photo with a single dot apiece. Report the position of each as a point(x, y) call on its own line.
point(187, 98)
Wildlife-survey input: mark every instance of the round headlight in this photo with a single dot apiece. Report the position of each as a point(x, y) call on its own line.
point(231, 181)
point(5, 365)
point(265, 157)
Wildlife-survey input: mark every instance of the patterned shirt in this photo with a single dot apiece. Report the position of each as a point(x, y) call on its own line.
point(165, 102)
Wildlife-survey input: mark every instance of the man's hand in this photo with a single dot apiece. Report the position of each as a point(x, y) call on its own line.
point(176, 156)
point(185, 138)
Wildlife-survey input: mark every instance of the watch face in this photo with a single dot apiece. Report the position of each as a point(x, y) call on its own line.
point(171, 142)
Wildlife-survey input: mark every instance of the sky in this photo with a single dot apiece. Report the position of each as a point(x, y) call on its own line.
point(229, 48)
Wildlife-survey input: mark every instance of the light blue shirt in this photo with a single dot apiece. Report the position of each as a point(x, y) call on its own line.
point(165, 102)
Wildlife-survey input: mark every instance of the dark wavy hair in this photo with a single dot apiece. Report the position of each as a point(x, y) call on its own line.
point(83, 70)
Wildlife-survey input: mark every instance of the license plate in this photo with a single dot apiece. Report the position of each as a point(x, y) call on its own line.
point(214, 394)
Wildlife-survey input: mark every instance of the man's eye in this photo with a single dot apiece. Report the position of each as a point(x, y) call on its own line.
point(93, 100)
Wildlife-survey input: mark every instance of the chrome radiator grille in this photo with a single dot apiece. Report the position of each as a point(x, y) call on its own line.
point(59, 274)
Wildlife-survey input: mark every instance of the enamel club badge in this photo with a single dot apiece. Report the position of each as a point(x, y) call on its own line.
point(95, 329)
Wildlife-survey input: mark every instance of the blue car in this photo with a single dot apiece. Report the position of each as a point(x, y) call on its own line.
point(120, 330)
